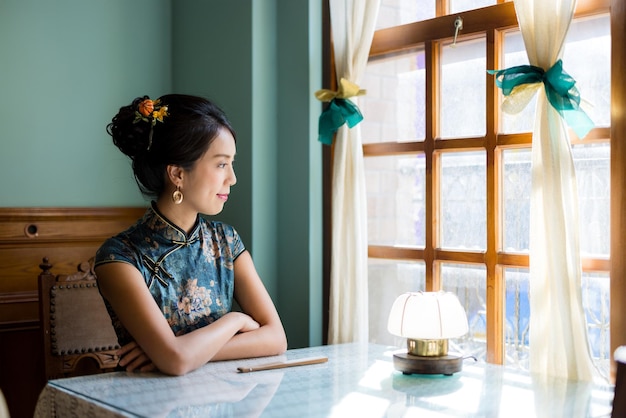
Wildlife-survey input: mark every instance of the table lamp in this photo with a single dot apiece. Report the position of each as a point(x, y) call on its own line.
point(427, 320)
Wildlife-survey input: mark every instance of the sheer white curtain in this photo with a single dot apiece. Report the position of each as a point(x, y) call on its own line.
point(558, 333)
point(353, 25)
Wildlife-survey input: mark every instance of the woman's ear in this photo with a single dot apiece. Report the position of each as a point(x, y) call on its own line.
point(175, 174)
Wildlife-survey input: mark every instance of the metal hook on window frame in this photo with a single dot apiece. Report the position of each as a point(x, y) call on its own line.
point(458, 25)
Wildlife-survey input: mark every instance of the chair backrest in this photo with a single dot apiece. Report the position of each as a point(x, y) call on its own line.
point(75, 324)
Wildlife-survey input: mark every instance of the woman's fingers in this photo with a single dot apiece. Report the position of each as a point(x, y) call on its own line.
point(132, 357)
point(137, 362)
point(148, 368)
point(126, 348)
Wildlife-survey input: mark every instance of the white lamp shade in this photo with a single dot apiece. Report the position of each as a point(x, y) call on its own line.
point(427, 316)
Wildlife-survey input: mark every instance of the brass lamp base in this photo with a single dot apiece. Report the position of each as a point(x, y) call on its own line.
point(411, 364)
point(427, 348)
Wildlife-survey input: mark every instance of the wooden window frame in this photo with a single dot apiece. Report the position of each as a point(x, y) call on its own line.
point(493, 22)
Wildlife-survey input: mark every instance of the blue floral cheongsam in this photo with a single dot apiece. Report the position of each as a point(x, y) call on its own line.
point(190, 276)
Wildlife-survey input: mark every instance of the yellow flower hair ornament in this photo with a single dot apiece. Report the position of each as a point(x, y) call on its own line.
point(151, 111)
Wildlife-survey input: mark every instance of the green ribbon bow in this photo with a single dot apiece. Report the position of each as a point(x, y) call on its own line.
point(338, 112)
point(560, 90)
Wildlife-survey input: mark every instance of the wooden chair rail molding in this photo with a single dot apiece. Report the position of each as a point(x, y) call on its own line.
point(27, 235)
point(64, 235)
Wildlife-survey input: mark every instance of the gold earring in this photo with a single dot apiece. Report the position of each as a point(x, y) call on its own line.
point(177, 196)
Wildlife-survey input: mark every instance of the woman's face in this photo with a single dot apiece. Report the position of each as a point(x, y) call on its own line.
point(207, 185)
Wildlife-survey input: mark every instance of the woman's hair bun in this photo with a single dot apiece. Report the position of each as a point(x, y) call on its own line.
point(130, 137)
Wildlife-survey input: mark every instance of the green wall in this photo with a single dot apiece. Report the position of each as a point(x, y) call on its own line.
point(66, 66)
point(300, 156)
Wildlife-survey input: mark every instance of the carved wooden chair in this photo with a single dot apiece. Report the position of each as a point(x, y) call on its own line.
point(78, 337)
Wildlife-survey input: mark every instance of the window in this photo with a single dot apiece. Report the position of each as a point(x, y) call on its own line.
point(448, 174)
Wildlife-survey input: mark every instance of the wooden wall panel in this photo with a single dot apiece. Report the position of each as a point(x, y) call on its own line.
point(66, 236)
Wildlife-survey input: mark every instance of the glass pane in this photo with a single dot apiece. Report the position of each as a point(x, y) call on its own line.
point(516, 186)
point(595, 293)
point(596, 297)
point(394, 108)
point(463, 89)
point(387, 280)
point(395, 200)
point(468, 283)
point(516, 318)
point(592, 164)
point(398, 12)
point(587, 58)
point(463, 5)
point(463, 200)
point(593, 177)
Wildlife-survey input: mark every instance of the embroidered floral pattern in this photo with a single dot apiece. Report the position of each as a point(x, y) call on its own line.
point(194, 301)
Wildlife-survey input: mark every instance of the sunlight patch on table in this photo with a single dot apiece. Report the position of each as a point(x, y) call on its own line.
point(375, 375)
point(357, 404)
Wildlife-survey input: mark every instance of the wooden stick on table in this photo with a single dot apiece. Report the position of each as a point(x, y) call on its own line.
point(283, 364)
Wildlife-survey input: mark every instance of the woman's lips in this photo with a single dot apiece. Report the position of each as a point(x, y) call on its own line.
point(224, 197)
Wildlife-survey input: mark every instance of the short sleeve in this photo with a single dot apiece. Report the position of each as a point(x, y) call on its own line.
point(237, 245)
point(228, 239)
point(116, 249)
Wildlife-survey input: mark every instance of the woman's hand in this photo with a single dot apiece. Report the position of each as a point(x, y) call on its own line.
point(132, 357)
point(248, 324)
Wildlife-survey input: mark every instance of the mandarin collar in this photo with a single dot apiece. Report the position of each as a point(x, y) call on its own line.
point(167, 229)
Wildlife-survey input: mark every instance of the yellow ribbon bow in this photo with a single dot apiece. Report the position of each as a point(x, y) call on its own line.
point(346, 89)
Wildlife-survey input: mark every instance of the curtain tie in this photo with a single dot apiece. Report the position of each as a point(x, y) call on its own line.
point(339, 111)
point(560, 90)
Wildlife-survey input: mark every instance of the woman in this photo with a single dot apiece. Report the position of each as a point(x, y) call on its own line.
point(169, 281)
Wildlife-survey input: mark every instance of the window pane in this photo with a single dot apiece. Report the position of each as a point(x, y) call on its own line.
point(463, 200)
point(463, 89)
point(398, 12)
point(595, 294)
point(516, 186)
point(468, 283)
point(394, 108)
point(516, 318)
point(463, 5)
point(586, 58)
point(387, 280)
point(592, 164)
point(593, 177)
point(395, 200)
